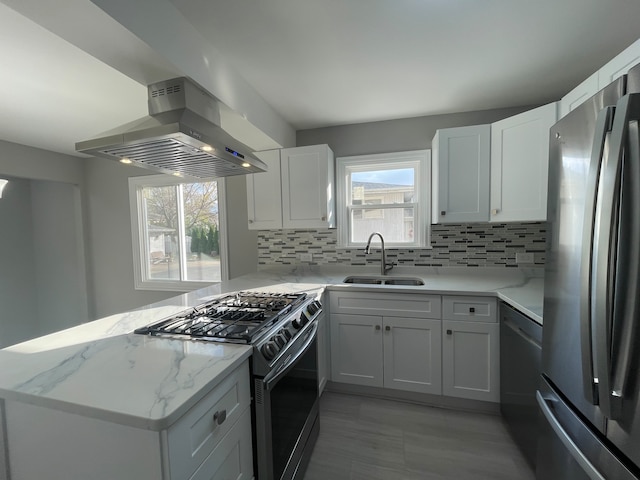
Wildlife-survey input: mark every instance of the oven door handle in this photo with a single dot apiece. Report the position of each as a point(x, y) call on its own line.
point(272, 378)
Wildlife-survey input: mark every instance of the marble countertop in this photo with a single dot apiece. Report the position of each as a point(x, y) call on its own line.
point(103, 370)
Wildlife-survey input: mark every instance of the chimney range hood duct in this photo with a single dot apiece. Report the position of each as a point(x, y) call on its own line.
point(181, 136)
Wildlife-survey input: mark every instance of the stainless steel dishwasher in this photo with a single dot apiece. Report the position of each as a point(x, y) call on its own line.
point(520, 352)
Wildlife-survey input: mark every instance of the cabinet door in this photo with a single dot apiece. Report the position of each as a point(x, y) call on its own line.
point(620, 65)
point(471, 360)
point(232, 459)
point(582, 92)
point(461, 174)
point(520, 165)
point(412, 354)
point(356, 349)
point(308, 187)
point(264, 197)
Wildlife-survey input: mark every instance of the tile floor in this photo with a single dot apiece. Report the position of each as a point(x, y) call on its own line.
point(375, 439)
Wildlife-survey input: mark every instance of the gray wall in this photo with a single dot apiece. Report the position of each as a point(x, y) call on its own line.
point(396, 135)
point(18, 310)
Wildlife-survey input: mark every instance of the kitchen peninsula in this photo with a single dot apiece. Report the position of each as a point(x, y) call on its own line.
point(142, 386)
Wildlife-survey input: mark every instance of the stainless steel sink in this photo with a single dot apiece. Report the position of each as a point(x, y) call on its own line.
point(365, 280)
point(373, 280)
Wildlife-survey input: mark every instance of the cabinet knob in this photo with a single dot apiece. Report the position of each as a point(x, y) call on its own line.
point(377, 327)
point(219, 417)
point(250, 221)
point(472, 310)
point(495, 211)
point(324, 218)
point(387, 328)
point(449, 332)
point(443, 213)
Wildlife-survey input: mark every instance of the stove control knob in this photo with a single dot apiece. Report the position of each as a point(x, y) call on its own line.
point(269, 350)
point(297, 323)
point(286, 334)
point(304, 318)
point(313, 307)
point(279, 340)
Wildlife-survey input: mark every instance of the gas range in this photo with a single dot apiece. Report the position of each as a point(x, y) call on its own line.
point(271, 322)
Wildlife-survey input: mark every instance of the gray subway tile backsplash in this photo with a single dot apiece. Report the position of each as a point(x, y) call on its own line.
point(471, 245)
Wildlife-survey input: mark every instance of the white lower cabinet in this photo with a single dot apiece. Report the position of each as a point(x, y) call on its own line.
point(386, 340)
point(211, 441)
point(471, 348)
point(323, 351)
point(440, 345)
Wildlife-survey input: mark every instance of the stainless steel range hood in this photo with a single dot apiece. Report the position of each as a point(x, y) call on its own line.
point(181, 136)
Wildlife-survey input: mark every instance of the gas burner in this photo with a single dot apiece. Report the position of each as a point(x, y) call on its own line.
point(238, 318)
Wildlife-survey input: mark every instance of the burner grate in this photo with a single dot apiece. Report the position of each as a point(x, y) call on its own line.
point(235, 318)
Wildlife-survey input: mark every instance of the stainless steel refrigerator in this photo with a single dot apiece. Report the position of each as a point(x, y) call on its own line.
point(589, 394)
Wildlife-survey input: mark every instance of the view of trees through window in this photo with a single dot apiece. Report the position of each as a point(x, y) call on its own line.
point(182, 231)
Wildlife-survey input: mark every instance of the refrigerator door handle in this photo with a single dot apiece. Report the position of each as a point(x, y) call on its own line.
point(620, 334)
point(602, 128)
point(566, 440)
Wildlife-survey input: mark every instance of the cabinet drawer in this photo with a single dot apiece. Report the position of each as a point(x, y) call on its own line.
point(469, 309)
point(232, 459)
point(192, 438)
point(391, 304)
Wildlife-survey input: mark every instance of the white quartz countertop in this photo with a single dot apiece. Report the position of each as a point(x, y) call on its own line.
point(103, 370)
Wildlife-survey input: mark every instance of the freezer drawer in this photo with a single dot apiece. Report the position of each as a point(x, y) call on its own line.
point(568, 449)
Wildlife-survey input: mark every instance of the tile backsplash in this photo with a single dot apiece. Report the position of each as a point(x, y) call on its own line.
point(469, 245)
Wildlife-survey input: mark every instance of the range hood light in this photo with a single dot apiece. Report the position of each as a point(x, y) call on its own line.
point(126, 161)
point(207, 148)
point(246, 165)
point(177, 174)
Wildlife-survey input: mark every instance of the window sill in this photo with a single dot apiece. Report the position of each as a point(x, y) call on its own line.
point(172, 286)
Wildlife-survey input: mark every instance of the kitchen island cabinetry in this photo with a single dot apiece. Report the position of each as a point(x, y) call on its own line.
point(471, 348)
point(211, 440)
point(389, 341)
point(520, 165)
point(296, 192)
point(460, 167)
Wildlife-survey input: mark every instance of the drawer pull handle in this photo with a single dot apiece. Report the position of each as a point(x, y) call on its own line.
point(472, 310)
point(219, 417)
point(449, 332)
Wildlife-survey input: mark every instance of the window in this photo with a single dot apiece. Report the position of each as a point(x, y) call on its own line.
point(386, 193)
point(178, 227)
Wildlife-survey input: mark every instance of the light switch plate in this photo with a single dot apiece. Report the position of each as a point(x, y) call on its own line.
point(522, 257)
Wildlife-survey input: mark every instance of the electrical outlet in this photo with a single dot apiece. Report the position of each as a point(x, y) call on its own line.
point(522, 257)
point(306, 257)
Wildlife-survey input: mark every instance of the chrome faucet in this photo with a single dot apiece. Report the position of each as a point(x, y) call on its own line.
point(384, 267)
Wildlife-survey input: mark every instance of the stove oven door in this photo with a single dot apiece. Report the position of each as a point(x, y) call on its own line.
point(286, 413)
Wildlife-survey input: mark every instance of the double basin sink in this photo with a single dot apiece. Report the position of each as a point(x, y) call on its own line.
point(380, 280)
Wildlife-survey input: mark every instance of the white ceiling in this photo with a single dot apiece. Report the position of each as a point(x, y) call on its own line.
point(330, 62)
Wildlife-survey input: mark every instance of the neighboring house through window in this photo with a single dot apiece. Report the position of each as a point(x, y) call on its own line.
point(178, 227)
point(386, 193)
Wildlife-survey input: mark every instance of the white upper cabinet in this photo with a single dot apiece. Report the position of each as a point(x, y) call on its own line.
point(615, 68)
point(296, 192)
point(264, 194)
point(520, 165)
point(582, 92)
point(308, 187)
point(461, 159)
point(620, 65)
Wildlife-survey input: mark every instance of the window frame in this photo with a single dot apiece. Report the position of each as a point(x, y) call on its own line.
point(142, 281)
point(419, 160)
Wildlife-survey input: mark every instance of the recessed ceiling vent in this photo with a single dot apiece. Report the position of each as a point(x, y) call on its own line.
point(181, 136)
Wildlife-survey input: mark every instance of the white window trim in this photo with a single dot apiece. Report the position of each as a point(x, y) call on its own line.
point(140, 253)
point(388, 161)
